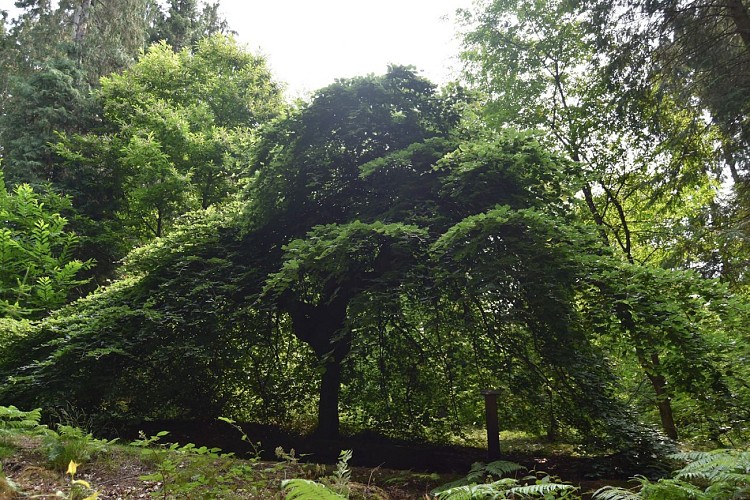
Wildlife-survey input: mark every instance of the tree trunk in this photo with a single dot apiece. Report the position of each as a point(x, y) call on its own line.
point(739, 15)
point(651, 369)
point(553, 427)
point(322, 327)
point(81, 21)
point(328, 406)
point(659, 383)
point(159, 223)
point(664, 403)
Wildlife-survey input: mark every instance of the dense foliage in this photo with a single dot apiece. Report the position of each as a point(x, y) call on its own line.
point(375, 256)
point(649, 184)
point(37, 268)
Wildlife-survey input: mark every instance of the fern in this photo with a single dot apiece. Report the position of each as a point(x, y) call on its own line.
point(615, 493)
point(479, 471)
point(728, 490)
point(707, 475)
point(498, 489)
point(304, 489)
point(723, 473)
point(671, 488)
point(713, 465)
point(342, 475)
point(502, 468)
point(546, 487)
point(543, 489)
point(734, 478)
point(13, 419)
point(478, 474)
point(451, 485)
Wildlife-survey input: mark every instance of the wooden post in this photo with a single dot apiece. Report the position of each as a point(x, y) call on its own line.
point(493, 428)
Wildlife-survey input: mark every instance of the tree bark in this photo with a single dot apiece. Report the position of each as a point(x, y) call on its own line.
point(739, 15)
point(328, 405)
point(659, 383)
point(322, 327)
point(651, 368)
point(81, 21)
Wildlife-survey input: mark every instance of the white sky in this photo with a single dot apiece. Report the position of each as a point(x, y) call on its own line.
point(309, 43)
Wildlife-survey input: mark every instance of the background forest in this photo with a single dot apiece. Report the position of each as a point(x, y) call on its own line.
point(567, 224)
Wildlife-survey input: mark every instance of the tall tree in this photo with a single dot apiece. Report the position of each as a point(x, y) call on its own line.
point(56, 53)
point(698, 53)
point(52, 99)
point(184, 23)
point(539, 66)
point(315, 180)
point(102, 36)
point(697, 50)
point(172, 128)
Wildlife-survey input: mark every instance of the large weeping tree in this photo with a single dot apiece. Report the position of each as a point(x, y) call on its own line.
point(372, 196)
point(354, 187)
point(311, 195)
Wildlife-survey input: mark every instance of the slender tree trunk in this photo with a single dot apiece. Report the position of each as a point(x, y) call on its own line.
point(738, 13)
point(650, 366)
point(81, 21)
point(553, 427)
point(659, 383)
point(624, 314)
point(663, 401)
point(159, 223)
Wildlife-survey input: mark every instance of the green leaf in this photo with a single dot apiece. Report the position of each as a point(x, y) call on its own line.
point(304, 489)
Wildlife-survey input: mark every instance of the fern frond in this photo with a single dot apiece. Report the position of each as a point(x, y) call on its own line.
point(615, 493)
point(735, 478)
point(13, 419)
point(449, 486)
point(541, 489)
point(498, 489)
point(698, 459)
point(714, 465)
point(343, 473)
point(727, 490)
point(304, 489)
point(671, 488)
point(476, 473)
point(502, 468)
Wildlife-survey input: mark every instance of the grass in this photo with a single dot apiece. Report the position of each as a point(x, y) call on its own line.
point(515, 443)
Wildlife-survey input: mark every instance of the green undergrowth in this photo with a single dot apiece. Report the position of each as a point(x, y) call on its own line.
point(517, 443)
point(68, 462)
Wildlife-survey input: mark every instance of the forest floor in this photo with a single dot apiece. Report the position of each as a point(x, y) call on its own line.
point(380, 468)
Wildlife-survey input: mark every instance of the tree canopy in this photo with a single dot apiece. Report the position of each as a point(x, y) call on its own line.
point(554, 227)
point(326, 255)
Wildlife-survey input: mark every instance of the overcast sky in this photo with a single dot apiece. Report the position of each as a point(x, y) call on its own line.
point(309, 43)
